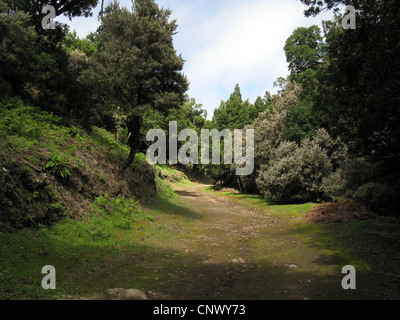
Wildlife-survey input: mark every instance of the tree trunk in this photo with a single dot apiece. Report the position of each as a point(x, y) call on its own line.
point(102, 9)
point(240, 187)
point(134, 125)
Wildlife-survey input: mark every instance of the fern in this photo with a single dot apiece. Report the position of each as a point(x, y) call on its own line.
point(22, 120)
point(59, 166)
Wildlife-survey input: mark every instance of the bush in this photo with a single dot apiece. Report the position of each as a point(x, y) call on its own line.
point(279, 180)
point(112, 212)
point(378, 197)
point(358, 172)
point(295, 173)
point(303, 173)
point(350, 175)
point(334, 185)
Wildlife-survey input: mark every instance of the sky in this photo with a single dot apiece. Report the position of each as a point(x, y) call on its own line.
point(227, 42)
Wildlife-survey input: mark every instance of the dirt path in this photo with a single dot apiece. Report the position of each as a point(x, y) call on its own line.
point(232, 251)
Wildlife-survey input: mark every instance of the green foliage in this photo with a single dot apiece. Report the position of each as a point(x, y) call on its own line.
point(110, 212)
point(59, 166)
point(17, 52)
point(362, 104)
point(300, 121)
point(304, 49)
point(334, 185)
point(26, 203)
point(379, 197)
point(136, 65)
point(21, 119)
point(33, 66)
point(236, 113)
point(296, 173)
point(127, 77)
point(150, 218)
point(73, 42)
point(190, 115)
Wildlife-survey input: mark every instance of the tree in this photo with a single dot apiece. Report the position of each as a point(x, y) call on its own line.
point(364, 72)
point(17, 53)
point(236, 113)
point(231, 114)
point(304, 49)
point(137, 63)
point(72, 42)
point(305, 53)
point(190, 115)
point(39, 69)
point(70, 8)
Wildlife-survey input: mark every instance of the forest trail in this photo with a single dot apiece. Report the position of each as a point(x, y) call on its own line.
point(236, 251)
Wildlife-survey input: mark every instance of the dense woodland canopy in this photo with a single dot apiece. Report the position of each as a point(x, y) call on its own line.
point(331, 132)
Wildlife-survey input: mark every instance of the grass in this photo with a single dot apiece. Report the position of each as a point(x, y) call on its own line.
point(171, 174)
point(85, 253)
point(107, 233)
point(253, 201)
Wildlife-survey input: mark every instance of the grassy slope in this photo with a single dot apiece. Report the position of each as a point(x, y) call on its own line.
point(67, 204)
point(85, 253)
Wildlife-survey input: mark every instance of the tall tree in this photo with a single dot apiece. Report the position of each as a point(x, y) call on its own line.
point(364, 71)
point(235, 113)
point(137, 63)
point(305, 53)
point(17, 53)
point(304, 49)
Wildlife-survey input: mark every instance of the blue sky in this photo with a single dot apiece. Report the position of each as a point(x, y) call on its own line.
point(225, 42)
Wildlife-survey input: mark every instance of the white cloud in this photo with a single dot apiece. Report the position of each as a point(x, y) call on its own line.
point(241, 42)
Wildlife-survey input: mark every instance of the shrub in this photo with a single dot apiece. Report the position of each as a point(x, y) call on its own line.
point(378, 197)
point(279, 180)
point(305, 172)
point(334, 185)
point(336, 150)
point(358, 172)
point(295, 173)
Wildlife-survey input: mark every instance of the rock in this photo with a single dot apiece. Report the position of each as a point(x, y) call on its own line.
point(238, 260)
point(126, 294)
point(292, 266)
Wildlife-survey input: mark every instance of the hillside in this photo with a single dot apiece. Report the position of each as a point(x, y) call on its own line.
point(50, 171)
point(64, 199)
